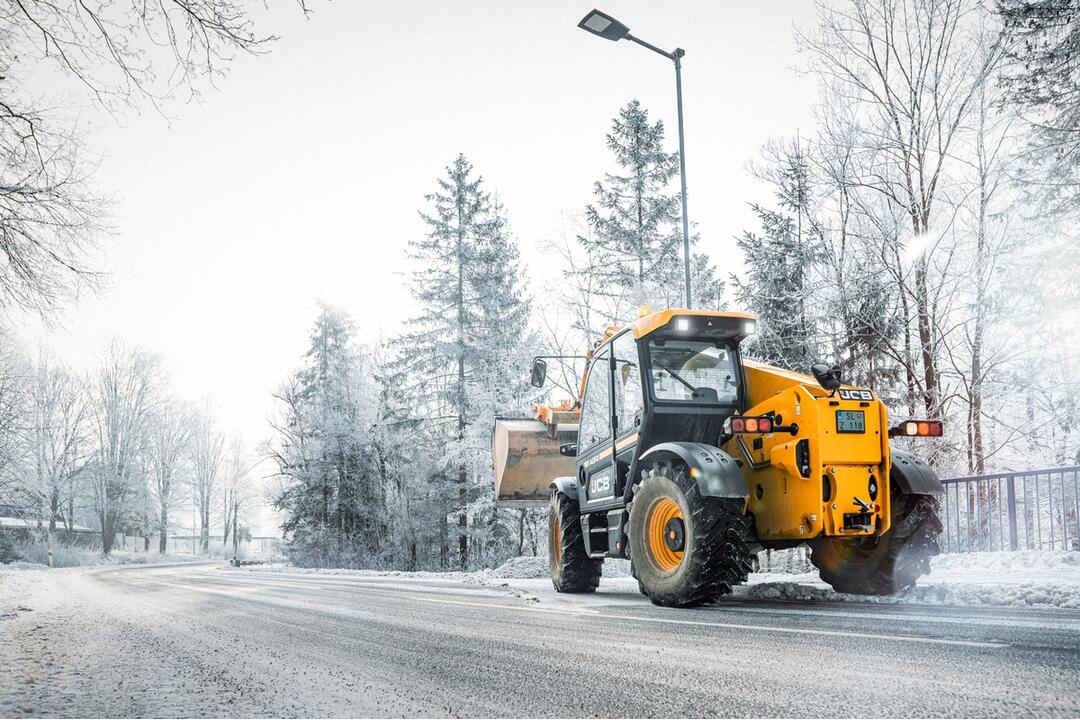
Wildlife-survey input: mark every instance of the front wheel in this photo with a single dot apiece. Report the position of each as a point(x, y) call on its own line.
point(572, 570)
point(888, 564)
point(686, 549)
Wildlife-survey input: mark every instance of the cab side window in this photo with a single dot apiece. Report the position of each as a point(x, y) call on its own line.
point(596, 408)
point(628, 394)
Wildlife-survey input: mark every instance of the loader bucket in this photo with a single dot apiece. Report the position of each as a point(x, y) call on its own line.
point(527, 459)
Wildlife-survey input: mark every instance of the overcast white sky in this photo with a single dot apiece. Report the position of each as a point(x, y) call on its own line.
point(301, 175)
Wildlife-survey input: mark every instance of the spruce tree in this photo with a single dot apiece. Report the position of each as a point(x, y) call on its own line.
point(331, 499)
point(462, 349)
point(635, 247)
point(778, 263)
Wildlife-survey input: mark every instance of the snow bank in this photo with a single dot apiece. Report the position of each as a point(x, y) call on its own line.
point(532, 568)
point(21, 565)
point(1037, 578)
point(1027, 578)
point(35, 556)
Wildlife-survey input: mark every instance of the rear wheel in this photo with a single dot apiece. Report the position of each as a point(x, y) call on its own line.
point(572, 570)
point(888, 564)
point(687, 549)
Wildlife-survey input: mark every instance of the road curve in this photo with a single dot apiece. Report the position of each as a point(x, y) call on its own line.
point(212, 641)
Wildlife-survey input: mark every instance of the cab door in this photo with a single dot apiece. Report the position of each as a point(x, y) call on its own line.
point(595, 438)
point(629, 405)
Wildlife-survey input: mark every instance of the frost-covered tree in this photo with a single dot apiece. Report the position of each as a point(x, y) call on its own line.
point(331, 495)
point(238, 494)
point(123, 397)
point(776, 285)
point(901, 80)
point(115, 54)
point(56, 440)
point(170, 437)
point(464, 345)
point(1042, 81)
point(634, 247)
point(12, 400)
point(207, 456)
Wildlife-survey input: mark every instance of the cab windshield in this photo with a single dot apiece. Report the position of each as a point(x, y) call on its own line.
point(692, 371)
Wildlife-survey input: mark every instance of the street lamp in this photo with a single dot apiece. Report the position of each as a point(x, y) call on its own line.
point(607, 27)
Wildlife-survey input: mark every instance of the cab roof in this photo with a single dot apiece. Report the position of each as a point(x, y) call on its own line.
point(656, 320)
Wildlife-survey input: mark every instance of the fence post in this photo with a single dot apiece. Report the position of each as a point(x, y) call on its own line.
point(1011, 489)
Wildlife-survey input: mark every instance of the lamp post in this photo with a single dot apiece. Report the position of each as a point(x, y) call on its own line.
point(607, 27)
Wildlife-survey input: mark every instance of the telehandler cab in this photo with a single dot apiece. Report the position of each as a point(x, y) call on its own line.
point(687, 459)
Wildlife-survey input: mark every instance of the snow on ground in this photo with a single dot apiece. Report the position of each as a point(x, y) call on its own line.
point(21, 582)
point(1026, 578)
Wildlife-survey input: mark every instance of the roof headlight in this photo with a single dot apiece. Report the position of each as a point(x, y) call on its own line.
point(749, 327)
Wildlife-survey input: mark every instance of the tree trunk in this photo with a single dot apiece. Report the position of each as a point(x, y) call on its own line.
point(976, 450)
point(163, 539)
point(54, 508)
point(521, 531)
point(926, 341)
point(108, 531)
point(204, 530)
point(463, 526)
point(909, 359)
point(444, 537)
point(463, 523)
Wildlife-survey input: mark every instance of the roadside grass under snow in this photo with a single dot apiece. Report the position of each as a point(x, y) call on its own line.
point(36, 557)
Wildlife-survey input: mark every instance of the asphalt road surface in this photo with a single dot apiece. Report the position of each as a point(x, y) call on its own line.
point(211, 641)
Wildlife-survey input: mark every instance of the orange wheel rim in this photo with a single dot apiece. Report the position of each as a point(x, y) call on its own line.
point(663, 511)
point(555, 528)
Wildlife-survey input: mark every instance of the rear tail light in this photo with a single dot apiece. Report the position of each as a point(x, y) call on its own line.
point(750, 424)
point(918, 428)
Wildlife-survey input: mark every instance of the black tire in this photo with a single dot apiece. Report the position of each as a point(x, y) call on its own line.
point(888, 564)
point(572, 570)
point(715, 554)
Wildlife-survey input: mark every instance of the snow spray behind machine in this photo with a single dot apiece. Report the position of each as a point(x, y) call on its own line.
point(686, 459)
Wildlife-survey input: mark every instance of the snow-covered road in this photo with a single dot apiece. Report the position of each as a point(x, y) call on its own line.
point(207, 640)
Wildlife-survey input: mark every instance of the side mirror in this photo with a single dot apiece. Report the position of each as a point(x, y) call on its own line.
point(568, 450)
point(827, 377)
point(539, 372)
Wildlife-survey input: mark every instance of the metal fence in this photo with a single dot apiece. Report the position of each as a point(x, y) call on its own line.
point(1030, 510)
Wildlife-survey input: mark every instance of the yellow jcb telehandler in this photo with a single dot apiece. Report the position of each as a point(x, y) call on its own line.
point(687, 459)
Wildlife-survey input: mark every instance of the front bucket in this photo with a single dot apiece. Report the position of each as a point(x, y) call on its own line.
point(527, 459)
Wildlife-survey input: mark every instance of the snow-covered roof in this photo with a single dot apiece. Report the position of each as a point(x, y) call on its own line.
point(10, 522)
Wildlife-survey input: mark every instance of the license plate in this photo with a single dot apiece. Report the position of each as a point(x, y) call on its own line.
point(850, 421)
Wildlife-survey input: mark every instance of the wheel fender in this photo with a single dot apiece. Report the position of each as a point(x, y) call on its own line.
point(914, 476)
point(565, 485)
point(716, 472)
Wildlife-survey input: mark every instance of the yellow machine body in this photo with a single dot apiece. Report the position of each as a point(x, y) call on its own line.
point(797, 496)
point(792, 497)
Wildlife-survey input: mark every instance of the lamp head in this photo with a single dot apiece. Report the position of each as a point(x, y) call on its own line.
point(603, 25)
